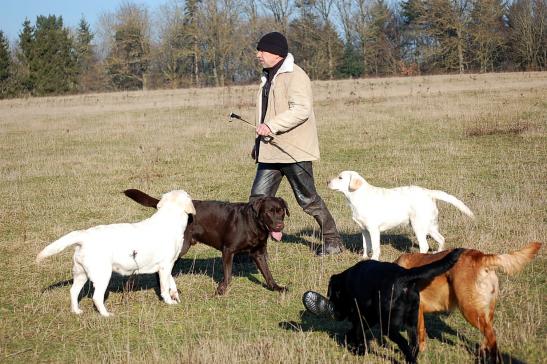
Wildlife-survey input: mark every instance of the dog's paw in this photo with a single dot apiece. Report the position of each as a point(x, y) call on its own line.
point(280, 288)
point(221, 289)
point(77, 311)
point(175, 296)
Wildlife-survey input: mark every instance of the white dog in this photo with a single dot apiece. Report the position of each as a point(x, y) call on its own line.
point(149, 246)
point(377, 209)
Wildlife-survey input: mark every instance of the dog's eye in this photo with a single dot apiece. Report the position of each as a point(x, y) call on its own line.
point(339, 177)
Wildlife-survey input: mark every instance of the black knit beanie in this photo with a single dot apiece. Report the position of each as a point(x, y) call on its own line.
point(275, 43)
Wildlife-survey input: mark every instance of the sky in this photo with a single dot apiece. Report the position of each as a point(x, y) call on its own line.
point(14, 12)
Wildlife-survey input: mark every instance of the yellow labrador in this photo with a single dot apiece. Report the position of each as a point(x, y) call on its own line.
point(377, 209)
point(148, 246)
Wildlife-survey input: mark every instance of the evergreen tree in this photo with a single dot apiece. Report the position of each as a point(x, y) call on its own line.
point(5, 58)
point(24, 57)
point(86, 59)
point(53, 62)
point(5, 65)
point(83, 46)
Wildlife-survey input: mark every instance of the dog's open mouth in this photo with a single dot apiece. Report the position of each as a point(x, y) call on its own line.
point(276, 235)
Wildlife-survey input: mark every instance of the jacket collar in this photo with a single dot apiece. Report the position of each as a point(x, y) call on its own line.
point(287, 66)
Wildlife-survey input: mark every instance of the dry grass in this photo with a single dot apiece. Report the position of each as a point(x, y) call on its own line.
point(65, 161)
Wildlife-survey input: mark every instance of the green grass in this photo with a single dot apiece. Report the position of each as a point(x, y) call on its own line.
point(64, 162)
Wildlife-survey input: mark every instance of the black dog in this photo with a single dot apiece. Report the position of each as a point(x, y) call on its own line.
point(376, 293)
point(232, 228)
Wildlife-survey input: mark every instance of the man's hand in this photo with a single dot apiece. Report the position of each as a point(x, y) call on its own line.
point(263, 130)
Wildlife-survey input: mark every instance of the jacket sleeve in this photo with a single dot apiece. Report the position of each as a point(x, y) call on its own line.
point(299, 98)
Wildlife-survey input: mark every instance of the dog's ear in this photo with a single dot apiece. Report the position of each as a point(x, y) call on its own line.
point(355, 182)
point(256, 204)
point(161, 202)
point(189, 207)
point(285, 206)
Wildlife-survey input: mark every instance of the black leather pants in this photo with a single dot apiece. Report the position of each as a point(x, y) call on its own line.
point(300, 177)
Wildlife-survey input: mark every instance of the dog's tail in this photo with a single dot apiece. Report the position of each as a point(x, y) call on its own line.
point(429, 271)
point(141, 197)
point(75, 237)
point(512, 262)
point(443, 196)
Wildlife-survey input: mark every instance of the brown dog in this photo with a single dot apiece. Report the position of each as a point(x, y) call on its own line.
point(232, 228)
point(471, 285)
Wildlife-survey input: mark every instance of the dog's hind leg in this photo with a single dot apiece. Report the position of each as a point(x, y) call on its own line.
point(435, 234)
point(422, 333)
point(80, 278)
point(173, 291)
point(483, 320)
point(100, 284)
point(421, 235)
point(421, 226)
point(166, 280)
point(227, 262)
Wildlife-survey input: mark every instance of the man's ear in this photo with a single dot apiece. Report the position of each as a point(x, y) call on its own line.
point(354, 183)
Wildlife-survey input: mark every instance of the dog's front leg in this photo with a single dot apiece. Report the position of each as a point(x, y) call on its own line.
point(260, 258)
point(227, 262)
point(366, 242)
point(374, 236)
point(410, 354)
point(165, 284)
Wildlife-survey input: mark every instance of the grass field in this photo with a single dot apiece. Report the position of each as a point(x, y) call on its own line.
point(65, 160)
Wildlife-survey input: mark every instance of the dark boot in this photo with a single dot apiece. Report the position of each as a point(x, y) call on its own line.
point(332, 243)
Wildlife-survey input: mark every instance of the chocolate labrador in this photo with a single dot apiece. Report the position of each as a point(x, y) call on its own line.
point(232, 228)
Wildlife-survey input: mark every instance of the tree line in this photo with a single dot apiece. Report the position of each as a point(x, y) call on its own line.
point(196, 43)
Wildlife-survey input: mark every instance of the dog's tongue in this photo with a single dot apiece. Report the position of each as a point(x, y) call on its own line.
point(276, 235)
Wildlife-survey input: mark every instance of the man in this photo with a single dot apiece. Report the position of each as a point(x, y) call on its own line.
point(287, 142)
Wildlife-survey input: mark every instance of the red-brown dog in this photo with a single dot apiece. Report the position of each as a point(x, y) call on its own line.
point(471, 285)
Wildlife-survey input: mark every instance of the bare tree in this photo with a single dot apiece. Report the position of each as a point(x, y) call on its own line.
point(487, 33)
point(528, 33)
point(221, 19)
point(175, 52)
point(129, 46)
point(329, 36)
point(281, 10)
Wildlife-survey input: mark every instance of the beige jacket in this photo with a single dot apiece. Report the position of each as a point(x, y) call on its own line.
point(289, 116)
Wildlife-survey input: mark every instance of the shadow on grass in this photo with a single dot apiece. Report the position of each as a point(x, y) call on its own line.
point(437, 329)
point(243, 266)
point(336, 330)
point(352, 242)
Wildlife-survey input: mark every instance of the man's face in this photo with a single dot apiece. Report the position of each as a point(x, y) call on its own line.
point(267, 59)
